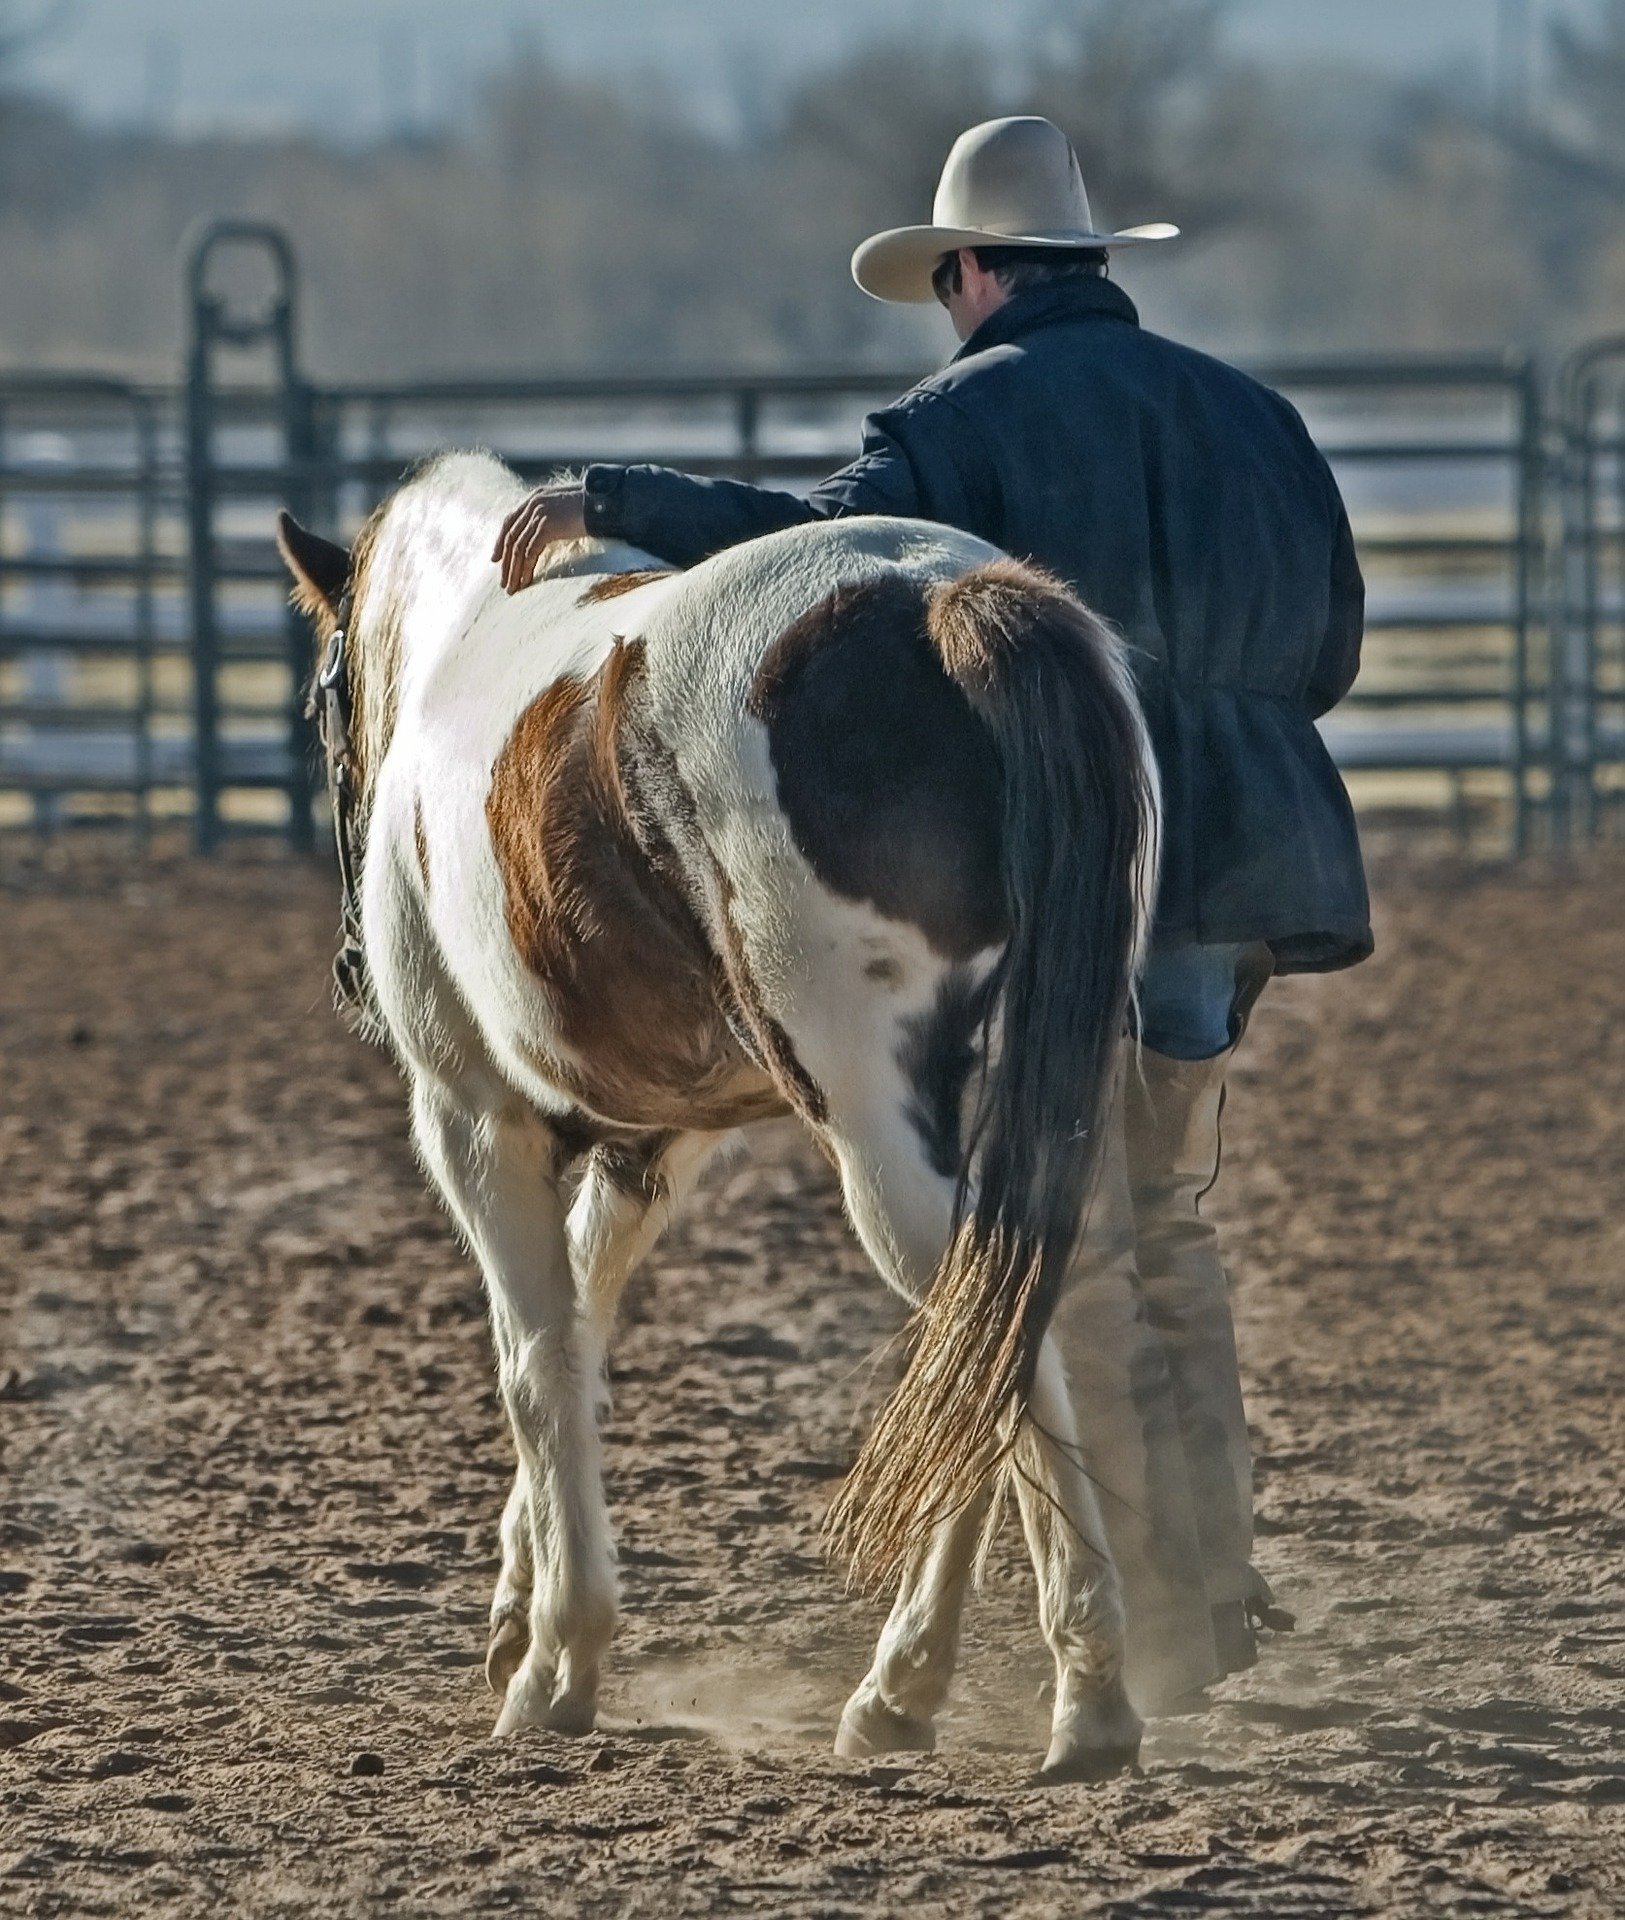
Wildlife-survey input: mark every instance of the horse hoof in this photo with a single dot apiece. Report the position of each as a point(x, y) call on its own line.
point(1089, 1765)
point(571, 1717)
point(1234, 1638)
point(869, 1728)
point(505, 1650)
point(535, 1698)
point(1095, 1739)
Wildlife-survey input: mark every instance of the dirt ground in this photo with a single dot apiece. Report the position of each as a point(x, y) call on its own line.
point(251, 1463)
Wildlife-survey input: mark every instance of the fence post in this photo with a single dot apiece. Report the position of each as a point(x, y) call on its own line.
point(1580, 635)
point(748, 425)
point(1586, 544)
point(302, 440)
point(200, 578)
point(214, 326)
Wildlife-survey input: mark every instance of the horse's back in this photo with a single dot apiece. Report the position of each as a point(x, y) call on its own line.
point(706, 632)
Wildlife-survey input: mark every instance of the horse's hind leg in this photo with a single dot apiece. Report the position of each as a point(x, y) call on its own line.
point(897, 1701)
point(902, 1208)
point(497, 1167)
point(1095, 1732)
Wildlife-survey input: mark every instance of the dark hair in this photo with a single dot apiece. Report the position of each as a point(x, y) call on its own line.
point(1018, 268)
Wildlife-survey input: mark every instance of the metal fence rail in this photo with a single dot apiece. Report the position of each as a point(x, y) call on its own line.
point(1453, 680)
point(88, 598)
point(148, 661)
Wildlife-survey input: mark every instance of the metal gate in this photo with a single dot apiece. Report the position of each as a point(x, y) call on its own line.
point(1442, 463)
point(249, 450)
point(153, 509)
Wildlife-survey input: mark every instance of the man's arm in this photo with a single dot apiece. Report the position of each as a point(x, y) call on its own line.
point(679, 517)
point(919, 460)
point(1338, 660)
point(683, 520)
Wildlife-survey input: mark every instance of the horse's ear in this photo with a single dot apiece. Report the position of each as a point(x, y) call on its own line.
point(320, 568)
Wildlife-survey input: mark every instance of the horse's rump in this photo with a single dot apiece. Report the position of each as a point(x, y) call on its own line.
point(889, 780)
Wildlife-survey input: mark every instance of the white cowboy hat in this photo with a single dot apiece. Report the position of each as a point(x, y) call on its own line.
point(1007, 183)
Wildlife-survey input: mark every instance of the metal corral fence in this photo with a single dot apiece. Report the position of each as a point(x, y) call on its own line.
point(150, 667)
point(1588, 759)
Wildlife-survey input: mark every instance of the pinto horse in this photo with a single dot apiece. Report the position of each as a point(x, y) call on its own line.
point(855, 823)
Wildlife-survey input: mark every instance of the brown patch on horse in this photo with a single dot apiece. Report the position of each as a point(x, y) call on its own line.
point(598, 916)
point(979, 617)
point(609, 586)
point(667, 824)
point(890, 782)
point(420, 840)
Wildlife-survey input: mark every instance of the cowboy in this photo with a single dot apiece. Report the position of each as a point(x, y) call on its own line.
point(1187, 504)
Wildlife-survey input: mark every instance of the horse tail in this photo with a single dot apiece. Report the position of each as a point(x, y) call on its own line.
point(1079, 844)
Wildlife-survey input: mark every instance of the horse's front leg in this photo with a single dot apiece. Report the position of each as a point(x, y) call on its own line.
point(499, 1172)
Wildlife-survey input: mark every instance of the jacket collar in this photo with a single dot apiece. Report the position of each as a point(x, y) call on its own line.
point(1080, 299)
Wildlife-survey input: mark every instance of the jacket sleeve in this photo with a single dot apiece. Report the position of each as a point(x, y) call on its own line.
point(680, 518)
point(1338, 660)
point(919, 460)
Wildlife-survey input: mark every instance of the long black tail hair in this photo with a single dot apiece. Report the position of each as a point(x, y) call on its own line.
point(1079, 836)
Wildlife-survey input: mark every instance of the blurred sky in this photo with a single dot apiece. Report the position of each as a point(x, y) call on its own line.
point(367, 66)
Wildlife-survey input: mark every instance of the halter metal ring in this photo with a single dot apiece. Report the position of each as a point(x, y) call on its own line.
point(332, 668)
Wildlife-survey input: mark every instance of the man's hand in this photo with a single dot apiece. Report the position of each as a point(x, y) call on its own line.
point(550, 514)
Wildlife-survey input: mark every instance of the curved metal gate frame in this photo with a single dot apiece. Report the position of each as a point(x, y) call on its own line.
point(211, 481)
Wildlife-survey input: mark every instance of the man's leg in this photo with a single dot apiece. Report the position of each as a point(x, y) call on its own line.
point(1132, 1445)
point(1194, 1002)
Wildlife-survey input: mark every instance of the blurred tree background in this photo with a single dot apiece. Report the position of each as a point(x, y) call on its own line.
point(572, 225)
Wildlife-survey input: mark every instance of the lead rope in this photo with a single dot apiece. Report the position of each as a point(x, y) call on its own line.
point(329, 707)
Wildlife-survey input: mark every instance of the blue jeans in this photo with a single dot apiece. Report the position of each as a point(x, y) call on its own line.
point(1187, 999)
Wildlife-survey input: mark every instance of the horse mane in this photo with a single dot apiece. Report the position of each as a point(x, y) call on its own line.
point(374, 645)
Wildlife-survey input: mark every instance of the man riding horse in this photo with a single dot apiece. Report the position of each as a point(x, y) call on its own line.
point(1187, 504)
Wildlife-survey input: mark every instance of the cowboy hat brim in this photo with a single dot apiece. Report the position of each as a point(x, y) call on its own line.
point(897, 265)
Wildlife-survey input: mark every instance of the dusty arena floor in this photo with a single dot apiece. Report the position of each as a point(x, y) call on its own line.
point(251, 1463)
